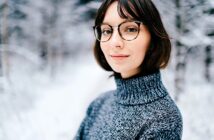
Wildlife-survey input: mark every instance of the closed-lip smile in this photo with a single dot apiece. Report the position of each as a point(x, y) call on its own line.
point(119, 56)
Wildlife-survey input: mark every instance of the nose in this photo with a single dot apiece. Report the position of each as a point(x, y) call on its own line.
point(115, 40)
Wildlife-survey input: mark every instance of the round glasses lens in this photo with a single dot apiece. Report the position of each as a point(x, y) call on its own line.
point(129, 30)
point(103, 32)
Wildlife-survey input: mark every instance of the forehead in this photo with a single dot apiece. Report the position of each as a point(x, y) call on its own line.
point(112, 16)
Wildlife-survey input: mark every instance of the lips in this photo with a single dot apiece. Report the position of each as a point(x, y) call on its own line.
point(119, 56)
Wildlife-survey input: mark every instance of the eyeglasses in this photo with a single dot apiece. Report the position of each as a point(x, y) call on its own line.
point(127, 30)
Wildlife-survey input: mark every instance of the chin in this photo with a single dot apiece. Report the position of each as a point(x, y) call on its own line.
point(119, 70)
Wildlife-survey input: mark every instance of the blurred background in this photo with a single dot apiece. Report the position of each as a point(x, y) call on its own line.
point(48, 75)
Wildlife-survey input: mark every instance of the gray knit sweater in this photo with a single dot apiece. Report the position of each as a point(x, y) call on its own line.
point(140, 108)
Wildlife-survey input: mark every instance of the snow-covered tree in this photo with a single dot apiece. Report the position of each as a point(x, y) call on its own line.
point(4, 36)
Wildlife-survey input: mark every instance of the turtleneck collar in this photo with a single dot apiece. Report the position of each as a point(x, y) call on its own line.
point(139, 89)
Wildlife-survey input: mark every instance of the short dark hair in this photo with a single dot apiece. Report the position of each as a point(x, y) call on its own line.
point(158, 54)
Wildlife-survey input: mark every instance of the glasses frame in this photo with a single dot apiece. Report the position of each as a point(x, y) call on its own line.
point(118, 27)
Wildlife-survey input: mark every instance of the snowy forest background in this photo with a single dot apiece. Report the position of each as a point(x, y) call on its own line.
point(48, 75)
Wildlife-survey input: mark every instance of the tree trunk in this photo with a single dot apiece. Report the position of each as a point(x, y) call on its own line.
point(180, 53)
point(5, 44)
point(208, 61)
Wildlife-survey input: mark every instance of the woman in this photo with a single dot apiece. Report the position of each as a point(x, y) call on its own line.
point(133, 44)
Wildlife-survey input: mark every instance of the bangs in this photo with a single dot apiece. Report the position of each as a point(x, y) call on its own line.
point(129, 10)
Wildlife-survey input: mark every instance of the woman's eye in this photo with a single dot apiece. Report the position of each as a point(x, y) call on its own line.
point(131, 29)
point(106, 32)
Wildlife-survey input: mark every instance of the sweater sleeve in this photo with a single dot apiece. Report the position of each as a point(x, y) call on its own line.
point(163, 129)
point(87, 121)
point(91, 113)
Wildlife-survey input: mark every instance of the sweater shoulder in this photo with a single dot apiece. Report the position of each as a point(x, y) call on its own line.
point(166, 118)
point(172, 108)
point(96, 104)
point(103, 97)
point(168, 113)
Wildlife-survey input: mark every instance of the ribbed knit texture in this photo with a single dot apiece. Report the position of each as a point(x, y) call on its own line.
point(140, 108)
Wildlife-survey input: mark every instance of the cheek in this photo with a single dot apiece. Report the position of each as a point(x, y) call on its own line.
point(142, 44)
point(141, 47)
point(144, 39)
point(103, 48)
point(138, 55)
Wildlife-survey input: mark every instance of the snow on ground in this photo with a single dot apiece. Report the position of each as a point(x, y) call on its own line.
point(53, 109)
point(197, 103)
point(57, 112)
point(196, 107)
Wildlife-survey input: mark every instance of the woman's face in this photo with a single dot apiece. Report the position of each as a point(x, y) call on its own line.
point(124, 57)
